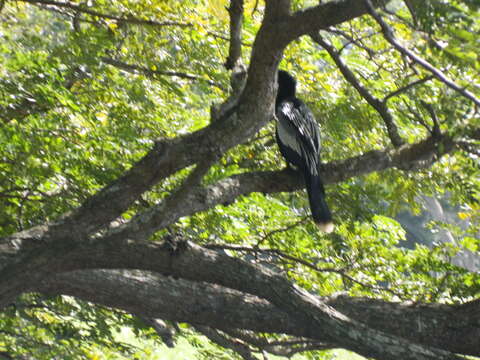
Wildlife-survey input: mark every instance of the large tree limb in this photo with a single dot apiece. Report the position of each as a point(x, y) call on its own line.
point(200, 198)
point(167, 157)
point(449, 327)
point(324, 15)
point(157, 296)
point(194, 263)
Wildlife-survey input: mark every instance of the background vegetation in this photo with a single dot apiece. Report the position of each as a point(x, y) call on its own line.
point(125, 124)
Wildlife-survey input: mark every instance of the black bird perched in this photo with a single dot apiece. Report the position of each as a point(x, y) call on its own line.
point(298, 138)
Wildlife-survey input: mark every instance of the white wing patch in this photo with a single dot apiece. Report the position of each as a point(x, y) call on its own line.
point(287, 137)
point(296, 132)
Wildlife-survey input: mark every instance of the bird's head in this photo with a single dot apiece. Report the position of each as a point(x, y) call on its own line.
point(286, 86)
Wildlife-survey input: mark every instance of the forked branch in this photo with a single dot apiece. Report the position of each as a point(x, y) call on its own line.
point(390, 37)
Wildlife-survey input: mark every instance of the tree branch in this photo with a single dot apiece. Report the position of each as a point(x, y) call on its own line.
point(236, 21)
point(143, 225)
point(351, 40)
point(152, 73)
point(228, 343)
point(406, 88)
point(154, 296)
point(408, 157)
point(324, 15)
point(390, 37)
point(378, 105)
point(174, 299)
point(194, 263)
point(128, 19)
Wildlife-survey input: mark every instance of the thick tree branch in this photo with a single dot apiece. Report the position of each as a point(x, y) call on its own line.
point(408, 157)
point(167, 157)
point(378, 105)
point(143, 225)
point(236, 21)
point(323, 16)
point(389, 35)
point(195, 263)
point(156, 296)
point(449, 327)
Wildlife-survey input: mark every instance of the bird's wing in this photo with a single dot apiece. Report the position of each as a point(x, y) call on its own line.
point(298, 130)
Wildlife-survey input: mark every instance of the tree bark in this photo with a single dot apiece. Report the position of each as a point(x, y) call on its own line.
point(450, 327)
point(204, 287)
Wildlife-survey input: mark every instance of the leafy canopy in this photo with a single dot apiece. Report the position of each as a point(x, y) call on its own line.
point(84, 96)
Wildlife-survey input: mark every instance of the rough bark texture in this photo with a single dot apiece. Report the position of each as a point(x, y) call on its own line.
point(453, 327)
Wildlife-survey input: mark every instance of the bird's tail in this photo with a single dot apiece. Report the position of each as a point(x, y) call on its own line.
point(316, 196)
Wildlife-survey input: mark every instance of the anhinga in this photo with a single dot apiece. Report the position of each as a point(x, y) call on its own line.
point(298, 138)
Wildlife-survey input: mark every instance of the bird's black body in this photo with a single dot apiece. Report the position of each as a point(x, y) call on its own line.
point(298, 138)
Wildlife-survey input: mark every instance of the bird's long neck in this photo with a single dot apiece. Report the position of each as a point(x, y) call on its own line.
point(286, 87)
point(284, 93)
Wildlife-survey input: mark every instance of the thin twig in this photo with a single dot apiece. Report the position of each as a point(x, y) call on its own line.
point(351, 40)
point(390, 37)
point(433, 115)
point(284, 229)
point(407, 87)
point(341, 272)
point(149, 72)
point(129, 19)
point(226, 38)
point(378, 105)
point(417, 117)
point(226, 342)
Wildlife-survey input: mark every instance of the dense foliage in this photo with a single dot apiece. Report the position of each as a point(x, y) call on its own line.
point(87, 89)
